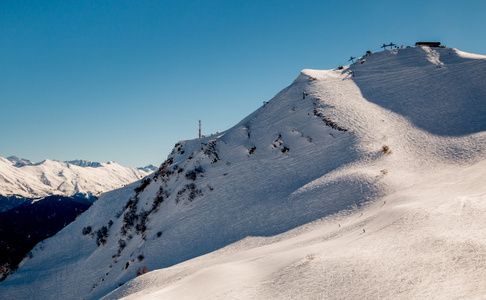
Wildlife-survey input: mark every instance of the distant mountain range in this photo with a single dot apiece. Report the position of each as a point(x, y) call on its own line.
point(21, 178)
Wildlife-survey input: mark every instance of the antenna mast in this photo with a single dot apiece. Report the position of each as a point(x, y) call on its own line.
point(199, 128)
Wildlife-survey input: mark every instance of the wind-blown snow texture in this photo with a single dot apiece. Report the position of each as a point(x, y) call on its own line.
point(379, 178)
point(21, 177)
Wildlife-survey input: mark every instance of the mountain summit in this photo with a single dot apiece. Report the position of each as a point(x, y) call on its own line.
point(358, 152)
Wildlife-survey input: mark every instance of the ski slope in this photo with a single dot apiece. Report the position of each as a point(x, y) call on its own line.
point(426, 242)
point(348, 187)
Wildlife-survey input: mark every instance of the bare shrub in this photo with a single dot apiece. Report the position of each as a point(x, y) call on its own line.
point(386, 150)
point(86, 230)
point(143, 185)
point(141, 271)
point(102, 235)
point(192, 174)
point(5, 268)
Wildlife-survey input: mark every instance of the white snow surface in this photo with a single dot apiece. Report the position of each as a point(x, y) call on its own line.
point(23, 178)
point(300, 201)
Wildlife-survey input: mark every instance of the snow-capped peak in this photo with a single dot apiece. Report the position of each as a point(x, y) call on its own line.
point(19, 162)
point(84, 163)
point(148, 168)
point(23, 178)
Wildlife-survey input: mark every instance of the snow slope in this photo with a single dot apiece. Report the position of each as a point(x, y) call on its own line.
point(427, 242)
point(23, 178)
point(370, 187)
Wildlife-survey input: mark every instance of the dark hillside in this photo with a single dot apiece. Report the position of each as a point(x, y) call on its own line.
point(22, 227)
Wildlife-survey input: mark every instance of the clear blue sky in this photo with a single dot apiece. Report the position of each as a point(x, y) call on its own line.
point(125, 80)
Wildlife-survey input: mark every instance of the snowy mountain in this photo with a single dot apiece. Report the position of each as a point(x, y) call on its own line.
point(21, 177)
point(19, 162)
point(362, 183)
point(148, 168)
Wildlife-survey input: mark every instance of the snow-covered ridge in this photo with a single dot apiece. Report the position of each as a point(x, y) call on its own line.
point(148, 168)
point(24, 178)
point(84, 163)
point(337, 167)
